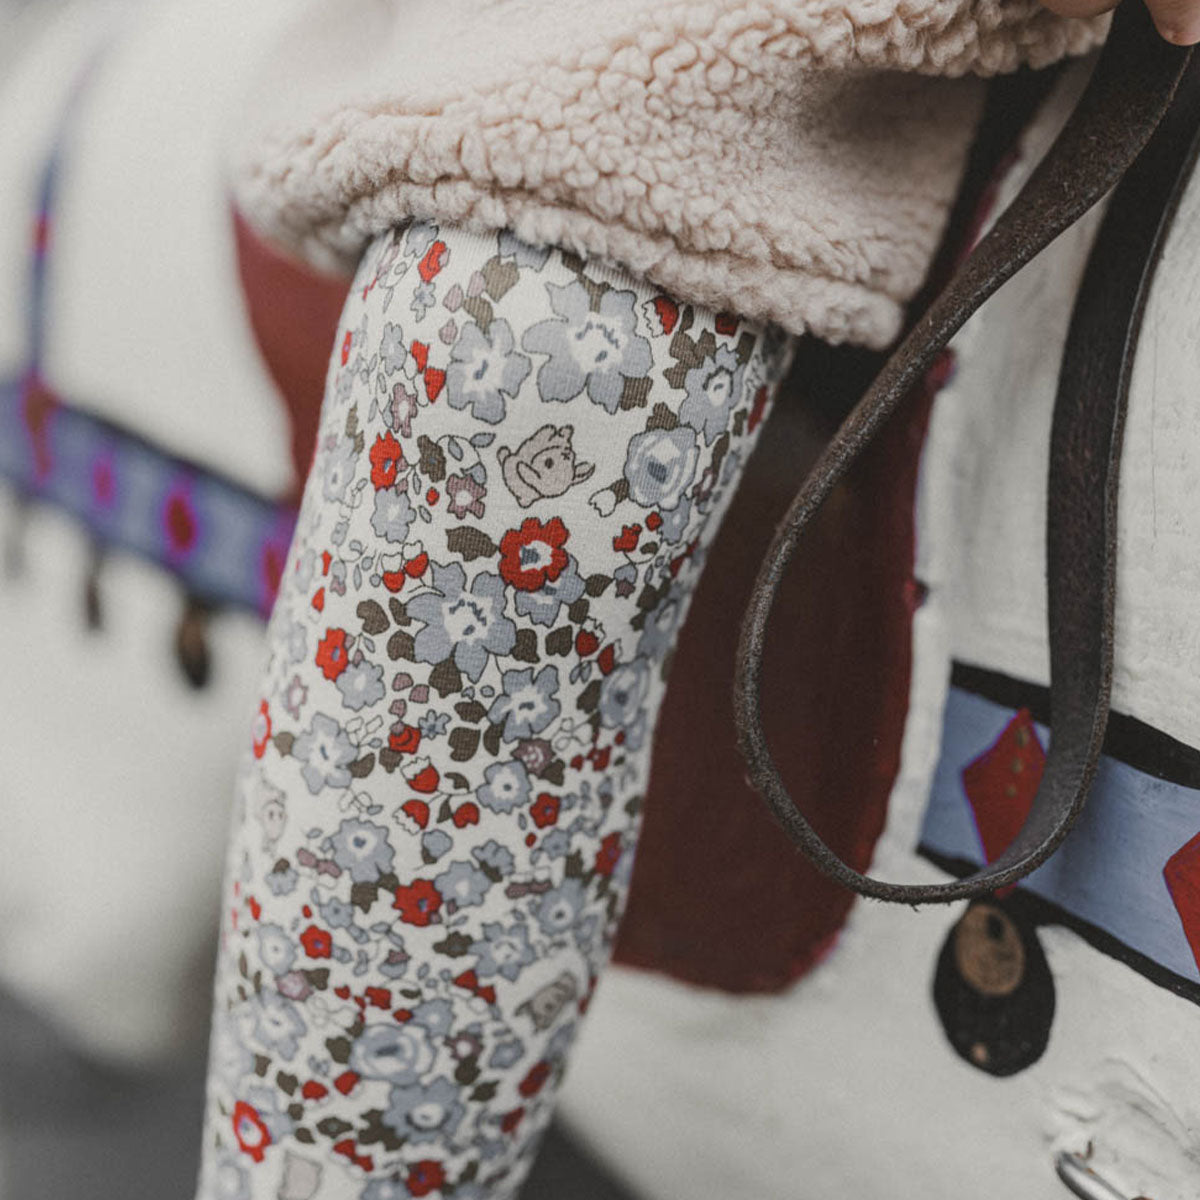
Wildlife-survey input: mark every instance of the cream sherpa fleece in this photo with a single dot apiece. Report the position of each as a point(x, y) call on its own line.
point(791, 160)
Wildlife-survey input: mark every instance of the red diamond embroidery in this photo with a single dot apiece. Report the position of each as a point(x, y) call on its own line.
point(1002, 782)
point(1182, 875)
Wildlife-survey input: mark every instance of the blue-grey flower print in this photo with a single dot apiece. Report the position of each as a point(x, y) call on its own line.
point(660, 466)
point(713, 388)
point(465, 626)
point(591, 348)
point(362, 848)
point(484, 370)
point(529, 702)
point(506, 787)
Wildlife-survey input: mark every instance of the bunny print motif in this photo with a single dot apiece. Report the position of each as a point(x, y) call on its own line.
point(543, 465)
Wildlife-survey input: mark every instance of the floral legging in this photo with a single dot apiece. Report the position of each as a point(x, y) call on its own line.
point(522, 461)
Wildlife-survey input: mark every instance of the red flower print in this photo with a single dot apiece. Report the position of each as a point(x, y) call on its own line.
point(261, 731)
point(418, 811)
point(666, 312)
point(470, 981)
point(378, 997)
point(628, 539)
point(544, 810)
point(253, 1137)
point(533, 554)
point(331, 653)
point(349, 1149)
point(397, 570)
point(510, 1120)
point(313, 1090)
point(608, 855)
point(421, 775)
point(316, 942)
point(347, 342)
point(433, 261)
point(418, 903)
point(466, 814)
point(406, 740)
point(534, 1081)
point(387, 458)
point(425, 1176)
point(435, 380)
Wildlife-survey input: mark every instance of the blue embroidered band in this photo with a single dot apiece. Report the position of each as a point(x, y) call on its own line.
point(225, 542)
point(1128, 876)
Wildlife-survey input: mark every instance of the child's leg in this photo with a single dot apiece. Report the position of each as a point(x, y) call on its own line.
point(521, 463)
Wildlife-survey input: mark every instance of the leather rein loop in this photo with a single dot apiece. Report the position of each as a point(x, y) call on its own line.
point(1130, 92)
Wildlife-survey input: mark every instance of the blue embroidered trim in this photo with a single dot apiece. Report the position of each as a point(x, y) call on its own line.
point(1110, 880)
point(225, 542)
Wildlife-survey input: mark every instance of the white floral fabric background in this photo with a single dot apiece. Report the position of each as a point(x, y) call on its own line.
point(521, 463)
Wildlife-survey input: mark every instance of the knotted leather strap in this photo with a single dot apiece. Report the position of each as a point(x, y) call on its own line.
point(1131, 89)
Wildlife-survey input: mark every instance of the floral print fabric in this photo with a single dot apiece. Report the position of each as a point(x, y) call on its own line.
point(521, 463)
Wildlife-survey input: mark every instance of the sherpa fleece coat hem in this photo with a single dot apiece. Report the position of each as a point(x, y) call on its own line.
point(790, 160)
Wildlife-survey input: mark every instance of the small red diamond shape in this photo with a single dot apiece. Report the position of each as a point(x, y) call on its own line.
point(1002, 782)
point(1182, 875)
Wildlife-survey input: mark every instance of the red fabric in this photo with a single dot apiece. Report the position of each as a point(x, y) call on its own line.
point(294, 312)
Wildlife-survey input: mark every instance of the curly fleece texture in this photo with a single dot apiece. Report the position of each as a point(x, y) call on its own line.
point(791, 161)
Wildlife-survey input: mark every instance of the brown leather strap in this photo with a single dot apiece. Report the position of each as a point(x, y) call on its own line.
point(1130, 91)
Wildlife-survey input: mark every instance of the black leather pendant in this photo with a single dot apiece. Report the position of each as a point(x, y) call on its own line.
point(993, 989)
